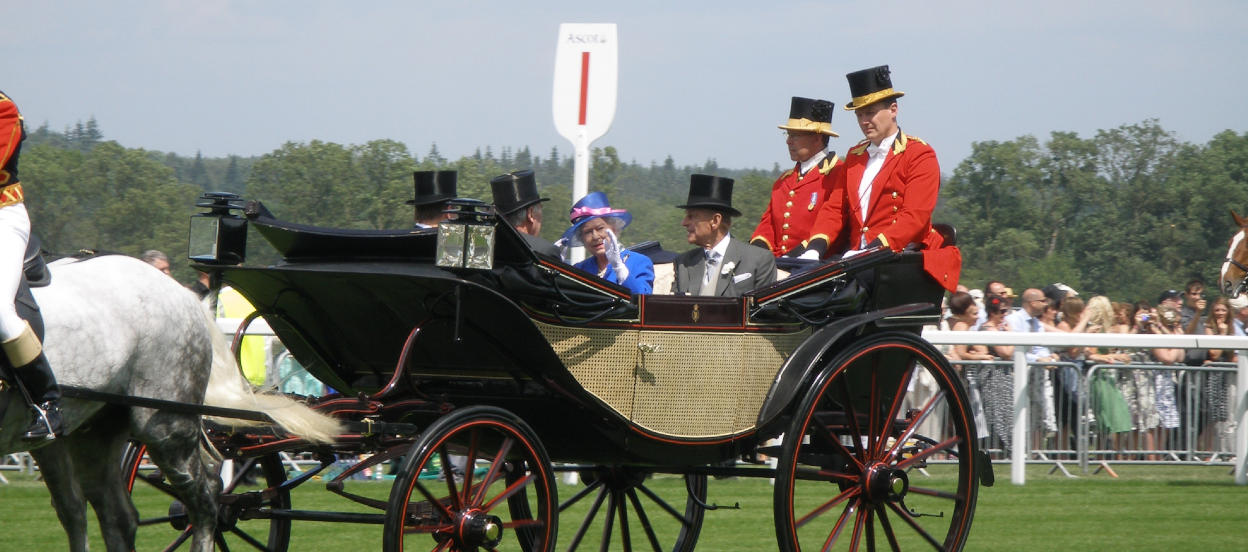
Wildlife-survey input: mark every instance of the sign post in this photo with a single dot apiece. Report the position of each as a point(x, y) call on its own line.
point(586, 76)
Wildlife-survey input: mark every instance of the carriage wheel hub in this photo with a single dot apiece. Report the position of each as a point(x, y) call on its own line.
point(886, 483)
point(477, 528)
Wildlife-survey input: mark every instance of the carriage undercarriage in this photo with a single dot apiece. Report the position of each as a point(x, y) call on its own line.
point(819, 382)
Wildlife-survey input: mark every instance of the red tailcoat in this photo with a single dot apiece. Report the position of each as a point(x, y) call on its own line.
point(903, 196)
point(795, 202)
point(11, 135)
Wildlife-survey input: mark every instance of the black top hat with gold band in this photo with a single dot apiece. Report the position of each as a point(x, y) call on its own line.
point(433, 187)
point(710, 192)
point(514, 191)
point(810, 115)
point(869, 86)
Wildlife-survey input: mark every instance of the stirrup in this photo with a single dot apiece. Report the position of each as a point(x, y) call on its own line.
point(41, 429)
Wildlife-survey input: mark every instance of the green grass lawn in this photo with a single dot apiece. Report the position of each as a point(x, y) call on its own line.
point(1146, 508)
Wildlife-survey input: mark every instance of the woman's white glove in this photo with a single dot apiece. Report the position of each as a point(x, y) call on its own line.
point(613, 256)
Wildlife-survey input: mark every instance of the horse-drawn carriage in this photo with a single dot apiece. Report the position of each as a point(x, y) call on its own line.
point(481, 369)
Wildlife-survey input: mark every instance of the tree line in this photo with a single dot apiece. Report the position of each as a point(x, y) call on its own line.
point(1127, 212)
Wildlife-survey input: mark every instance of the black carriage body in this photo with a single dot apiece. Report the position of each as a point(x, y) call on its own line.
point(602, 376)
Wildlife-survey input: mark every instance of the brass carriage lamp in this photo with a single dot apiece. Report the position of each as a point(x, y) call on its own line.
point(466, 239)
point(218, 236)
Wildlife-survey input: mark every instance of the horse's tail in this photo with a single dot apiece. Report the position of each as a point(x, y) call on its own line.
point(228, 388)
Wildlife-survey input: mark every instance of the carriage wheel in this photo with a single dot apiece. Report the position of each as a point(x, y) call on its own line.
point(452, 486)
point(641, 511)
point(239, 498)
point(881, 451)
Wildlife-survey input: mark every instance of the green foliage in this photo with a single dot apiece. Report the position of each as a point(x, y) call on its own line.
point(1127, 212)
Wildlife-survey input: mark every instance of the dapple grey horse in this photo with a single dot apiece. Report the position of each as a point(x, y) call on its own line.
point(117, 325)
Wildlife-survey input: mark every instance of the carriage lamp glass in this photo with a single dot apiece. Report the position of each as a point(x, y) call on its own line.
point(217, 236)
point(466, 240)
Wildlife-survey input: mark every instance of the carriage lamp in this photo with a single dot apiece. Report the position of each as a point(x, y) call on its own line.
point(218, 236)
point(466, 239)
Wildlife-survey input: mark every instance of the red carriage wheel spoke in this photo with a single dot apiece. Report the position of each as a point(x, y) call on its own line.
point(808, 474)
point(835, 441)
point(469, 462)
point(888, 528)
point(947, 444)
point(511, 489)
point(436, 503)
point(936, 493)
point(448, 474)
point(495, 470)
point(847, 494)
point(893, 410)
point(914, 524)
point(850, 508)
point(851, 417)
point(863, 515)
point(874, 424)
point(916, 422)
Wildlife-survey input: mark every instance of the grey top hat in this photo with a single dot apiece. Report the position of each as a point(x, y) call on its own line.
point(433, 187)
point(710, 192)
point(514, 191)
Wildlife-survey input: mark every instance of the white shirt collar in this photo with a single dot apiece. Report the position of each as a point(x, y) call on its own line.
point(812, 162)
point(722, 247)
point(885, 144)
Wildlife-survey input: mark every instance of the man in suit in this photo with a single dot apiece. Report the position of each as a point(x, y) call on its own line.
point(432, 190)
point(517, 201)
point(799, 193)
point(720, 266)
point(888, 187)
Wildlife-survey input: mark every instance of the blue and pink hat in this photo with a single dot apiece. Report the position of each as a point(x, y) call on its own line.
point(590, 207)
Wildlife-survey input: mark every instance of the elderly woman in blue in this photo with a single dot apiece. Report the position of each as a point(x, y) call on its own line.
point(595, 225)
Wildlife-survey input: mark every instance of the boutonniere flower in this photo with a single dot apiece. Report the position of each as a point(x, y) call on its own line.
point(728, 267)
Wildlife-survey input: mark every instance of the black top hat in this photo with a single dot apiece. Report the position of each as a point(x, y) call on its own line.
point(810, 116)
point(710, 192)
point(514, 191)
point(869, 86)
point(433, 187)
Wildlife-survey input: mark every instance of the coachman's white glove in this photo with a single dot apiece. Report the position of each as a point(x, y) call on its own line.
point(810, 254)
point(613, 256)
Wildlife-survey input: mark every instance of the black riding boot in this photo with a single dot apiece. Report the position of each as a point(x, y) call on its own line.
point(31, 367)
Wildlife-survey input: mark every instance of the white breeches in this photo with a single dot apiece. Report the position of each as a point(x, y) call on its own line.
point(14, 234)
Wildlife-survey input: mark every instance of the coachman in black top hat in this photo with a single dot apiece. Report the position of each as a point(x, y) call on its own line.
point(432, 190)
point(869, 86)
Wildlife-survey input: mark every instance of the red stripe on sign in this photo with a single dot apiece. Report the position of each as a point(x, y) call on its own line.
point(584, 85)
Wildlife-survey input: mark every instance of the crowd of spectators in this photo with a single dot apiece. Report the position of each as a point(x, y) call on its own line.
point(1135, 404)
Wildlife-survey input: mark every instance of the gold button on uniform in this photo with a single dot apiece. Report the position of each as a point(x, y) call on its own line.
point(786, 215)
point(786, 226)
point(788, 204)
point(894, 195)
point(785, 237)
point(792, 193)
point(894, 208)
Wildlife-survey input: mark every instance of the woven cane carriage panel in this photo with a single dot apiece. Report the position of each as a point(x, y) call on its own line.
point(695, 384)
point(602, 361)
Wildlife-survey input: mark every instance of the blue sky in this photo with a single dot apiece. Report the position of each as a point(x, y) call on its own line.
point(698, 80)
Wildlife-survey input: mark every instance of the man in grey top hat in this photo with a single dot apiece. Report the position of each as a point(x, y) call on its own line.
point(517, 201)
point(433, 190)
point(720, 265)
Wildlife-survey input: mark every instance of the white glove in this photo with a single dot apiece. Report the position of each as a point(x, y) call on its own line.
point(810, 255)
point(613, 256)
point(851, 253)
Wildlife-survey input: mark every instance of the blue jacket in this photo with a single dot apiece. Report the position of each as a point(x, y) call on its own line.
point(640, 278)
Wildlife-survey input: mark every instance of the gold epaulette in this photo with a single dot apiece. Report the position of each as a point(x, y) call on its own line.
point(786, 174)
point(899, 145)
point(828, 162)
point(860, 149)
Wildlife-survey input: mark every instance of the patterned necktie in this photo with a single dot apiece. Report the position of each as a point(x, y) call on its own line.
point(708, 278)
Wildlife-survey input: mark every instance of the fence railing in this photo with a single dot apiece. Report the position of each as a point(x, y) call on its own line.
point(1190, 403)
